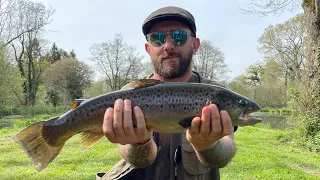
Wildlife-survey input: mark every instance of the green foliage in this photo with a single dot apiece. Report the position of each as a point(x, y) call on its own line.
point(96, 88)
point(55, 54)
point(72, 54)
point(309, 130)
point(281, 111)
point(254, 73)
point(10, 82)
point(66, 80)
point(32, 110)
point(241, 85)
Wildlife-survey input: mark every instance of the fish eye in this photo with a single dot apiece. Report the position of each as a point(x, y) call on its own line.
point(243, 103)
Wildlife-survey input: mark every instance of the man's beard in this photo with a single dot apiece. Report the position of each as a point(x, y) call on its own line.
point(183, 67)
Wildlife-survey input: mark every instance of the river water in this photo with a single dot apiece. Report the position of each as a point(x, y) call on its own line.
point(277, 121)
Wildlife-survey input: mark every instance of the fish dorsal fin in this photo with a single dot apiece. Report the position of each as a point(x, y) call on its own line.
point(76, 103)
point(145, 83)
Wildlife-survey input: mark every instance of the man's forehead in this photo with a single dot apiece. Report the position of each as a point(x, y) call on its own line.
point(168, 26)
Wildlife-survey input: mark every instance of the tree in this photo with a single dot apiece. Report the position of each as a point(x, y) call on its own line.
point(312, 24)
point(272, 92)
point(307, 95)
point(54, 54)
point(209, 61)
point(11, 26)
point(266, 7)
point(66, 80)
point(27, 49)
point(97, 88)
point(57, 54)
point(72, 54)
point(286, 43)
point(253, 75)
point(262, 82)
point(241, 85)
point(117, 60)
point(9, 81)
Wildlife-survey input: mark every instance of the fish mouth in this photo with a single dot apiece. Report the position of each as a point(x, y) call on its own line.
point(247, 118)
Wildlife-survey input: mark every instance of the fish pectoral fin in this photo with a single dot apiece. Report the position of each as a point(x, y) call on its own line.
point(186, 122)
point(34, 144)
point(88, 139)
point(145, 83)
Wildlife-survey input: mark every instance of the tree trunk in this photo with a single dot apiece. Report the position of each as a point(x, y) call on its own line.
point(313, 79)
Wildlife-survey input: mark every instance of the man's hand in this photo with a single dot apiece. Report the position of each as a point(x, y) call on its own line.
point(118, 125)
point(207, 130)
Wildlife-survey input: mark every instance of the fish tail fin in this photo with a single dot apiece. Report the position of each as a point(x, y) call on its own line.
point(88, 139)
point(33, 143)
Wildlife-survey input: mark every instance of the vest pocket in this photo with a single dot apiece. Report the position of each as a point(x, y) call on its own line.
point(190, 161)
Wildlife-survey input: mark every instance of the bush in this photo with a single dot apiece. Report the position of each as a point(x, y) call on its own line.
point(309, 131)
point(32, 110)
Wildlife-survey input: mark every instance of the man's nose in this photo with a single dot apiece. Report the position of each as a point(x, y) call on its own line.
point(168, 45)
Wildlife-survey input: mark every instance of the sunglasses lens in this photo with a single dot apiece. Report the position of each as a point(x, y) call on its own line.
point(157, 39)
point(179, 37)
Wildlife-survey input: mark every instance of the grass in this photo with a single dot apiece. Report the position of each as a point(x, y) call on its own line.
point(268, 154)
point(262, 153)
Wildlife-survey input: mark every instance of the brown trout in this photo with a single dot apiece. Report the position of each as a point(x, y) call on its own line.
point(168, 108)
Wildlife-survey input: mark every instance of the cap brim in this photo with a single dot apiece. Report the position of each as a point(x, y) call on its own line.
point(168, 17)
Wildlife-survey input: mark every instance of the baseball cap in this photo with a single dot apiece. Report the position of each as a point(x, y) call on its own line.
point(169, 13)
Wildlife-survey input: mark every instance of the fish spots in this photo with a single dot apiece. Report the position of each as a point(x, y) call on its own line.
point(187, 109)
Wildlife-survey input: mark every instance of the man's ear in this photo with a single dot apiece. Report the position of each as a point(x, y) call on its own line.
point(196, 45)
point(147, 48)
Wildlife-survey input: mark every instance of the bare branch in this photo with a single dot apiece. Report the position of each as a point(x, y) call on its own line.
point(273, 7)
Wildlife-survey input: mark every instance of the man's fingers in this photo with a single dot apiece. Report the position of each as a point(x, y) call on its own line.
point(141, 124)
point(117, 122)
point(226, 123)
point(107, 126)
point(195, 126)
point(127, 119)
point(215, 119)
point(205, 121)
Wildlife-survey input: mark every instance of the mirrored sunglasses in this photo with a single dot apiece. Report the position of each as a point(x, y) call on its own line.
point(179, 37)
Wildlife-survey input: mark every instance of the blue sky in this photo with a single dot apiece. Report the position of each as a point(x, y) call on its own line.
point(78, 24)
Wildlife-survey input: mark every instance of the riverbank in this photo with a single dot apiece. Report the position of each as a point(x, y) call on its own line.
point(262, 153)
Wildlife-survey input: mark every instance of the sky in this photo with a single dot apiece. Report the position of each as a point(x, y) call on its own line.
point(79, 24)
